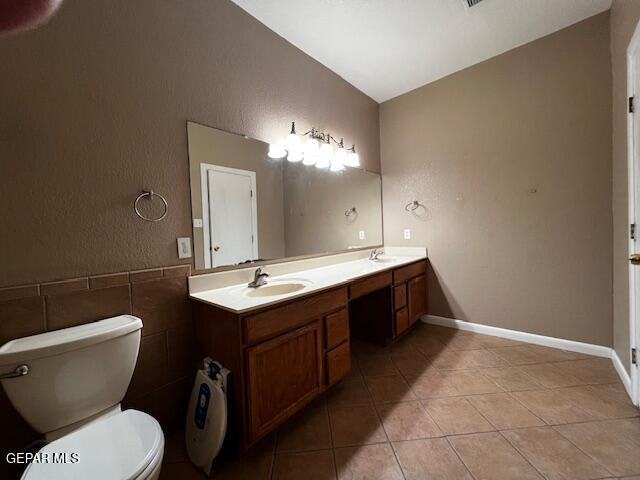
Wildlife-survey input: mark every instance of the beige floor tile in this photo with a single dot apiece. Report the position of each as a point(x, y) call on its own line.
point(504, 411)
point(471, 382)
point(556, 355)
point(252, 466)
point(361, 348)
point(350, 391)
point(613, 443)
point(389, 389)
point(467, 359)
point(355, 425)
point(412, 364)
point(552, 407)
point(377, 365)
point(407, 421)
point(309, 430)
point(511, 379)
point(371, 462)
point(430, 459)
point(309, 466)
point(489, 341)
point(599, 404)
point(456, 416)
point(591, 370)
point(464, 342)
point(488, 456)
point(615, 391)
point(550, 376)
point(519, 355)
point(433, 384)
point(428, 345)
point(443, 332)
point(553, 455)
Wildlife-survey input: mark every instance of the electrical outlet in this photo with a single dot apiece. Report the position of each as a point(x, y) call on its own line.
point(361, 235)
point(407, 234)
point(184, 247)
point(197, 223)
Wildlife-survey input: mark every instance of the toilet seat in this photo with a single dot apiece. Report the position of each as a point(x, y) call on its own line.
point(125, 446)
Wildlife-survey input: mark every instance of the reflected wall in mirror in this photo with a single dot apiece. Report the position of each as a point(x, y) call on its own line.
point(247, 207)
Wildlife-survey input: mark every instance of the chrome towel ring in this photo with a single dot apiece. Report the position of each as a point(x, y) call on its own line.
point(412, 206)
point(150, 194)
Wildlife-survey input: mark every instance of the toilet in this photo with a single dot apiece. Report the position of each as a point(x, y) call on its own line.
point(68, 385)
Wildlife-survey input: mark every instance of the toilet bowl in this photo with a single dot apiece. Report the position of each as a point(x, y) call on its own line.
point(68, 385)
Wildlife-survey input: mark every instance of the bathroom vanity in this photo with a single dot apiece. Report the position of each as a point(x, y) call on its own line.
point(285, 349)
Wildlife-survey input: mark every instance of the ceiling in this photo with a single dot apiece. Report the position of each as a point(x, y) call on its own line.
point(388, 47)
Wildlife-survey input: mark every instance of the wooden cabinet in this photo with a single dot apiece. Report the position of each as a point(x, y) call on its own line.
point(283, 356)
point(417, 298)
point(283, 374)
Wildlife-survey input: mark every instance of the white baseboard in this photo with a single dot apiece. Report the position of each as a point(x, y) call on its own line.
point(622, 372)
point(560, 343)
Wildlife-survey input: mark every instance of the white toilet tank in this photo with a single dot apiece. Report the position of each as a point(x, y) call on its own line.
point(73, 373)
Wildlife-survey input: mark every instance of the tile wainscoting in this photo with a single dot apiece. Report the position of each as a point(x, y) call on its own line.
point(162, 379)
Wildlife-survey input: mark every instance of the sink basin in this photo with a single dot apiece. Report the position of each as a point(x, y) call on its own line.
point(273, 289)
point(384, 260)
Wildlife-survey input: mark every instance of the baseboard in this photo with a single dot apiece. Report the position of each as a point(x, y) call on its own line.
point(560, 343)
point(622, 372)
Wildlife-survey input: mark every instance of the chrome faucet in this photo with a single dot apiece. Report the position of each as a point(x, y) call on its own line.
point(259, 279)
point(375, 253)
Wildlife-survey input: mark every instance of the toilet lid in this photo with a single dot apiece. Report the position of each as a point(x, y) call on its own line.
point(119, 447)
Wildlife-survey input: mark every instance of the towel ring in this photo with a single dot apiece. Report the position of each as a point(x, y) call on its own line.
point(351, 211)
point(412, 206)
point(150, 194)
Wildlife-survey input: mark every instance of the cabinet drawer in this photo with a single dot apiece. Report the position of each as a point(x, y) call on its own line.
point(338, 363)
point(370, 284)
point(400, 296)
point(403, 274)
point(402, 320)
point(282, 319)
point(337, 328)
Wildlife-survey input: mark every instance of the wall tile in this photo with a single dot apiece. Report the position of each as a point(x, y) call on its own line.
point(181, 352)
point(64, 286)
point(69, 309)
point(177, 271)
point(110, 280)
point(21, 317)
point(23, 291)
point(161, 304)
point(152, 367)
point(144, 275)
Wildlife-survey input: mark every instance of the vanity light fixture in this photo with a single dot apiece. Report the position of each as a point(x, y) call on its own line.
point(317, 150)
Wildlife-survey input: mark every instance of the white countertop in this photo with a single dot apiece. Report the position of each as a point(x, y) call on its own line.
point(234, 297)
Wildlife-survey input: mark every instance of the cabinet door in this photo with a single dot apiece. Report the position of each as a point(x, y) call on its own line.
point(284, 374)
point(417, 298)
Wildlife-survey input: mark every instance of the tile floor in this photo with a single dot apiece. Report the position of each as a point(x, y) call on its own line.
point(447, 404)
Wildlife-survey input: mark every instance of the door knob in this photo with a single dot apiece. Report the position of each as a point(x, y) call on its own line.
point(216, 248)
point(634, 258)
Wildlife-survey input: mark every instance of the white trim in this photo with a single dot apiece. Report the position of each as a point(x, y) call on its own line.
point(204, 188)
point(622, 372)
point(634, 326)
point(560, 343)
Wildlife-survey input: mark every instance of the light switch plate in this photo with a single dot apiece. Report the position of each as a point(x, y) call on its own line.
point(407, 234)
point(184, 247)
point(361, 235)
point(197, 223)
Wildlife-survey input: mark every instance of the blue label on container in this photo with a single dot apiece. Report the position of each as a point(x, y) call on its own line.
point(203, 405)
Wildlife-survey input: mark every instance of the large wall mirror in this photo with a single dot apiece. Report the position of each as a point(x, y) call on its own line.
point(247, 207)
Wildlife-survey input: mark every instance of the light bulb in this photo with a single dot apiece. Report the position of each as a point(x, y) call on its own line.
point(336, 164)
point(340, 155)
point(353, 160)
point(324, 156)
point(276, 150)
point(295, 155)
point(293, 142)
point(311, 150)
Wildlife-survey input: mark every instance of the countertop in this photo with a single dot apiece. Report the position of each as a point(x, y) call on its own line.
point(234, 299)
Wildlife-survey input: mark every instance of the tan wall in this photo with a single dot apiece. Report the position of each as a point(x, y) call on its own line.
point(94, 107)
point(624, 18)
point(212, 146)
point(315, 202)
point(473, 146)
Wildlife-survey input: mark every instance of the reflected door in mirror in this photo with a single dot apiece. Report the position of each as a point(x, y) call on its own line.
point(229, 196)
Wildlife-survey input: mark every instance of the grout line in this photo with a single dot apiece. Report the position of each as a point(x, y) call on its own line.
point(522, 455)
point(455, 452)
